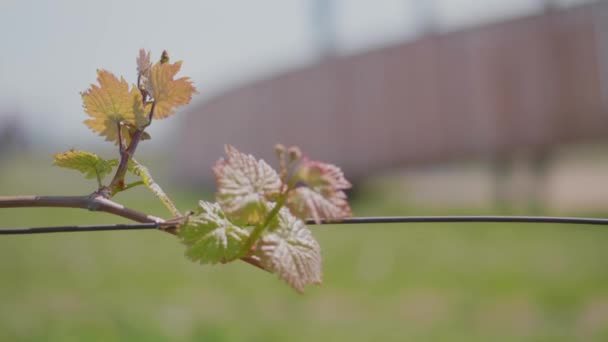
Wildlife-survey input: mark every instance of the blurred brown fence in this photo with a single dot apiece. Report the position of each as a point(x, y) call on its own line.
point(526, 84)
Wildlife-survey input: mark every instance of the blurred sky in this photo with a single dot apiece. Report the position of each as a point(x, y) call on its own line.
point(51, 49)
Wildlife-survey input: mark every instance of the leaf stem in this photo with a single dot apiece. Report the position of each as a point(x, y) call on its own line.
point(121, 144)
point(134, 184)
point(117, 183)
point(259, 229)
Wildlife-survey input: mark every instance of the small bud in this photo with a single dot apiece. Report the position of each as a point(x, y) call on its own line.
point(309, 172)
point(294, 154)
point(164, 57)
point(279, 150)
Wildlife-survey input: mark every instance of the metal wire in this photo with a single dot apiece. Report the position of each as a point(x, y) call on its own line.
point(350, 220)
point(487, 219)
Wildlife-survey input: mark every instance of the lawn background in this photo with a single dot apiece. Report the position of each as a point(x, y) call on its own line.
point(456, 282)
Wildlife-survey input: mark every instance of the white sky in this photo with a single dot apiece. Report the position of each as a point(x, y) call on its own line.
point(51, 49)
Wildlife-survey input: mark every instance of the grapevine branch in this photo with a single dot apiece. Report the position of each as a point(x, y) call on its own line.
point(93, 202)
point(99, 203)
point(247, 187)
point(127, 154)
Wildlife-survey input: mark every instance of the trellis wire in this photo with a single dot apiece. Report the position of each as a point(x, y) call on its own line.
point(351, 220)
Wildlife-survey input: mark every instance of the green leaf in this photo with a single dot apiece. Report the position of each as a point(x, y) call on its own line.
point(211, 238)
point(245, 184)
point(90, 164)
point(141, 171)
point(290, 251)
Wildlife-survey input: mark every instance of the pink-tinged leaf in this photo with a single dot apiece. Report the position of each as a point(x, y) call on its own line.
point(244, 185)
point(317, 174)
point(290, 251)
point(331, 205)
point(143, 62)
point(322, 195)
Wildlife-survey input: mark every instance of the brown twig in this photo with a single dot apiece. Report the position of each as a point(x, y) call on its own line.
point(126, 155)
point(121, 143)
point(92, 202)
point(96, 202)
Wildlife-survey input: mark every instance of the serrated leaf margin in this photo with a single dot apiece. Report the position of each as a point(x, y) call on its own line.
point(290, 251)
point(87, 163)
point(245, 184)
point(210, 237)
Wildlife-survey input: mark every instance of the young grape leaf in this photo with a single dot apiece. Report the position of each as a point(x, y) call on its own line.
point(323, 196)
point(143, 62)
point(90, 164)
point(210, 237)
point(142, 171)
point(290, 251)
point(322, 175)
point(111, 103)
point(168, 93)
point(319, 204)
point(244, 185)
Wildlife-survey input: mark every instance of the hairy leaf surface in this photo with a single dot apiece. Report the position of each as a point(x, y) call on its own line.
point(323, 195)
point(111, 103)
point(244, 185)
point(142, 171)
point(168, 93)
point(143, 62)
point(210, 237)
point(319, 204)
point(90, 164)
point(290, 251)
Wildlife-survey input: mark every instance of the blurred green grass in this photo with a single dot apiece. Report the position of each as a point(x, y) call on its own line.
point(456, 282)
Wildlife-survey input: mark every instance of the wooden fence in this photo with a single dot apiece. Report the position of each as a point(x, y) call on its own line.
point(527, 84)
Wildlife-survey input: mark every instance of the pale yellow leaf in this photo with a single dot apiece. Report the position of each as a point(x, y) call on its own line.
point(168, 93)
point(110, 103)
